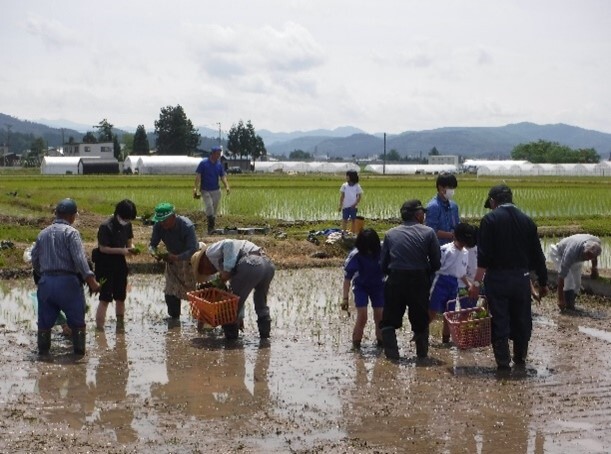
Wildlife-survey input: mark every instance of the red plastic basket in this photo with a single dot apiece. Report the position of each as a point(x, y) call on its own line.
point(466, 330)
point(214, 306)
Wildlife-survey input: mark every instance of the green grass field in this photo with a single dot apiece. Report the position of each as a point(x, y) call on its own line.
point(259, 198)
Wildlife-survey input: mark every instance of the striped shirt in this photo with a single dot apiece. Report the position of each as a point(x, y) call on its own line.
point(59, 249)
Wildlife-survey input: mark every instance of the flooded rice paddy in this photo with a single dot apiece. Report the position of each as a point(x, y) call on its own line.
point(164, 387)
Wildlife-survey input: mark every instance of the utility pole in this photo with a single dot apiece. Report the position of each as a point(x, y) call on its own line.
point(220, 140)
point(384, 165)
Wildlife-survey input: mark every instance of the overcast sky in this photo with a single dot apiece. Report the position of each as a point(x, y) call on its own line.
point(286, 65)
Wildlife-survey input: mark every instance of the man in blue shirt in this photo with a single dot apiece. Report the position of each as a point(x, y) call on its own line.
point(441, 211)
point(59, 257)
point(207, 176)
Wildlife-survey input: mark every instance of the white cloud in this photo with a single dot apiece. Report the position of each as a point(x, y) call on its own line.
point(51, 32)
point(286, 65)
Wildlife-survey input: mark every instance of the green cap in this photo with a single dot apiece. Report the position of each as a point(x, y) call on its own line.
point(163, 211)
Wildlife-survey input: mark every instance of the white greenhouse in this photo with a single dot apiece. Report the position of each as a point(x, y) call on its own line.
point(305, 167)
point(411, 169)
point(61, 165)
point(159, 165)
point(525, 168)
point(129, 165)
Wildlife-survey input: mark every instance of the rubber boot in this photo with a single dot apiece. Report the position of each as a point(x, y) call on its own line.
point(422, 344)
point(79, 337)
point(520, 351)
point(500, 347)
point(173, 303)
point(569, 298)
point(265, 325)
point(389, 338)
point(231, 331)
point(211, 222)
point(44, 342)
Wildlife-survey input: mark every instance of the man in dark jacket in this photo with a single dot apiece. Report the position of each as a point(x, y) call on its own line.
point(508, 249)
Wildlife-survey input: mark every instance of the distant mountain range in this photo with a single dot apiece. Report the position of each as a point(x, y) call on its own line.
point(348, 142)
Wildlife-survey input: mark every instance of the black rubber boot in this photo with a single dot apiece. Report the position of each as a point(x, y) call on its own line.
point(520, 351)
point(389, 338)
point(79, 337)
point(211, 222)
point(231, 331)
point(422, 344)
point(500, 347)
point(569, 297)
point(173, 303)
point(265, 326)
point(44, 342)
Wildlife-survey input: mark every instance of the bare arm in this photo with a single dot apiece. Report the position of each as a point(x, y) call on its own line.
point(197, 184)
point(594, 272)
point(560, 293)
point(116, 250)
point(345, 294)
point(358, 200)
point(225, 183)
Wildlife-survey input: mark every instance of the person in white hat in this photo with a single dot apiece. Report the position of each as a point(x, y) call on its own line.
point(246, 267)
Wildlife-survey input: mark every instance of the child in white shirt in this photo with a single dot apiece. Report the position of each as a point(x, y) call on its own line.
point(350, 196)
point(454, 261)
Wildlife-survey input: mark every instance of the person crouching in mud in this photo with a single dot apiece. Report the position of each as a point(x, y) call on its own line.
point(246, 267)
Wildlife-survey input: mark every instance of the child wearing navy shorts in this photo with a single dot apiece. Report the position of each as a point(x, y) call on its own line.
point(454, 261)
point(362, 270)
point(350, 196)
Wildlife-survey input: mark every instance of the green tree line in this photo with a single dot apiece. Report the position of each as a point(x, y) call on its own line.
point(554, 153)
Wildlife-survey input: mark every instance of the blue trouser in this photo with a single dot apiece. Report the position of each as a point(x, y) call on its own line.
point(60, 293)
point(509, 300)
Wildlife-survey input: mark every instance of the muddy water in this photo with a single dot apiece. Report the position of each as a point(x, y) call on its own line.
point(165, 387)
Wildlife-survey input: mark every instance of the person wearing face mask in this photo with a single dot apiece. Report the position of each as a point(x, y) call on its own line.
point(115, 238)
point(441, 211)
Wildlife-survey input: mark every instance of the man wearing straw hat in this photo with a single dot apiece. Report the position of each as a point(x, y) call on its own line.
point(178, 235)
point(246, 266)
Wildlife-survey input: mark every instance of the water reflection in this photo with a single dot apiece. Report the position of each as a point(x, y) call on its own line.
point(112, 409)
point(208, 380)
point(304, 386)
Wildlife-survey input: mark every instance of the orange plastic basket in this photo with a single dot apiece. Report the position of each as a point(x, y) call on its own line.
point(468, 331)
point(214, 306)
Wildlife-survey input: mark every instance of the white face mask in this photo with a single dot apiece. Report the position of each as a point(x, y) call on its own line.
point(449, 193)
point(121, 221)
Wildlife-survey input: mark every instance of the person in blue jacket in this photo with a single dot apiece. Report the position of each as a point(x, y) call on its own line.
point(441, 211)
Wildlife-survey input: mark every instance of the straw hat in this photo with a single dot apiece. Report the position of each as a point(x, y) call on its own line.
point(202, 271)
